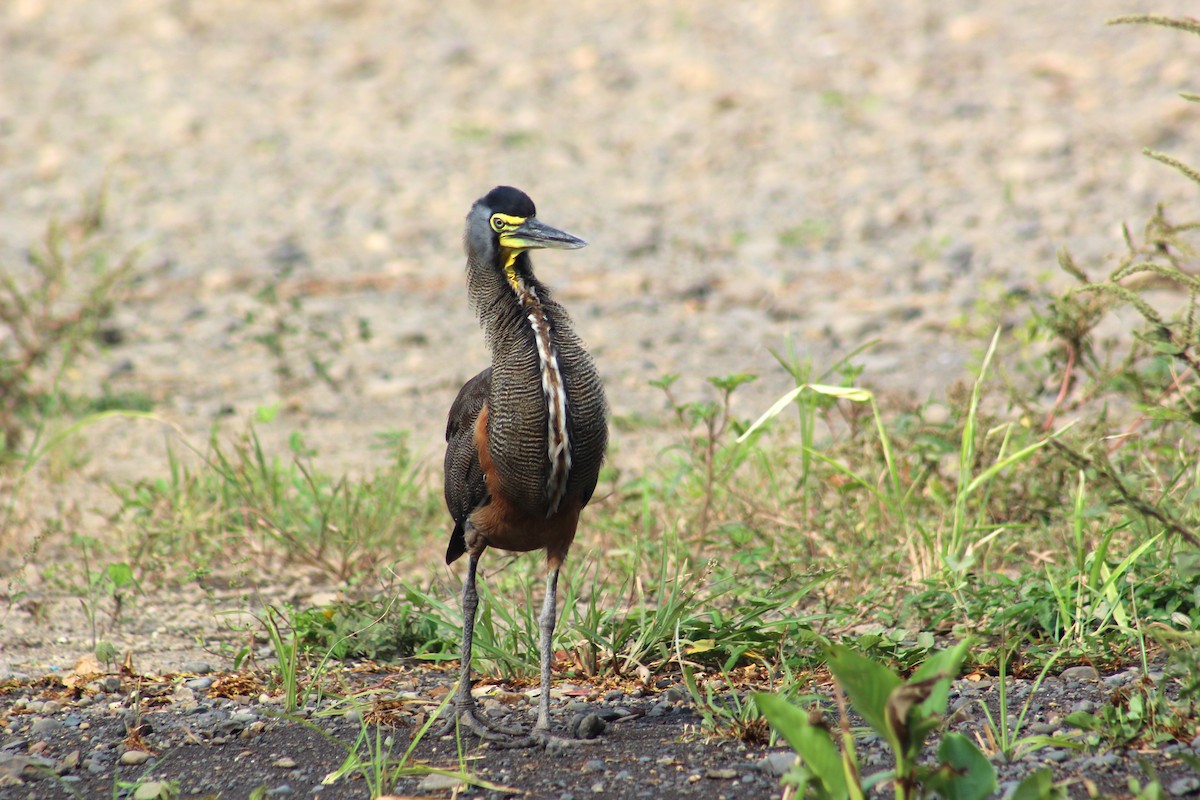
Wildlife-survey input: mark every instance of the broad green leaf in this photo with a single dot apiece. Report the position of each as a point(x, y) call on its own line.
point(1038, 786)
point(965, 773)
point(867, 684)
point(812, 743)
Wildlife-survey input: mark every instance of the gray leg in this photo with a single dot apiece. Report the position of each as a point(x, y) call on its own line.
point(470, 603)
point(464, 704)
point(546, 622)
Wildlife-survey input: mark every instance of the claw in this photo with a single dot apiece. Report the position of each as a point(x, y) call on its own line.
point(467, 715)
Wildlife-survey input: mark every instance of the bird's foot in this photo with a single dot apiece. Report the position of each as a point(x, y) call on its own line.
point(468, 716)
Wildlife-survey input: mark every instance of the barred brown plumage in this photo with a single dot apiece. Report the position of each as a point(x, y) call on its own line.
point(526, 436)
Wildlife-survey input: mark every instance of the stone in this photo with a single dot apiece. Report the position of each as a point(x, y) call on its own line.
point(45, 727)
point(589, 726)
point(777, 763)
point(1184, 786)
point(133, 758)
point(436, 782)
point(1081, 673)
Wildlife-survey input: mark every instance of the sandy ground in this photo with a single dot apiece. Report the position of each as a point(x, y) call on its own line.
point(748, 175)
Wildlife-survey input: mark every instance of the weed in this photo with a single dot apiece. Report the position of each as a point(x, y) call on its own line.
point(51, 311)
point(904, 713)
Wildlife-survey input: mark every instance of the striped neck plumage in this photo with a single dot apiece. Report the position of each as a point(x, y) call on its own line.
point(558, 445)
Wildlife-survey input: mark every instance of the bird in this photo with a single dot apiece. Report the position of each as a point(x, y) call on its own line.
point(526, 437)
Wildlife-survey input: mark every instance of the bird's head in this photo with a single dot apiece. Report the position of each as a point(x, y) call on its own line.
point(503, 224)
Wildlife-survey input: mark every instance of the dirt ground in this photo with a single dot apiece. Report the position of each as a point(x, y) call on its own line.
point(750, 177)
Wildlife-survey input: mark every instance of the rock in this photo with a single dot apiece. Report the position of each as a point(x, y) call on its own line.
point(1081, 673)
point(676, 694)
point(110, 684)
point(45, 727)
point(588, 726)
point(284, 763)
point(436, 782)
point(1180, 787)
point(199, 684)
point(151, 790)
point(778, 763)
point(1083, 706)
point(1184, 786)
point(963, 710)
point(721, 774)
point(592, 765)
point(198, 667)
point(133, 758)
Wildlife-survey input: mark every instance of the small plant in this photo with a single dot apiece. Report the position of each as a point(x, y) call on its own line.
point(706, 423)
point(51, 310)
point(903, 712)
point(1006, 738)
point(302, 345)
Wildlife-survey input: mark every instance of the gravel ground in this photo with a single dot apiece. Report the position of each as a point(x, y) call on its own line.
point(820, 173)
point(78, 735)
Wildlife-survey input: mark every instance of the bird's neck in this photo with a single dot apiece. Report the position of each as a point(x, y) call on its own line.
point(511, 313)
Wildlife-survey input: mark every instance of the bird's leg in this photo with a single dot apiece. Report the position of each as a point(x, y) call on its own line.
point(465, 710)
point(546, 622)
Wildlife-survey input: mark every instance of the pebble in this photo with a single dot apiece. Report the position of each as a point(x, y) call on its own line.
point(721, 774)
point(110, 684)
point(151, 790)
point(1083, 706)
point(777, 763)
point(593, 765)
point(132, 758)
point(199, 684)
point(45, 727)
point(284, 763)
point(675, 694)
point(198, 667)
point(589, 726)
point(1081, 673)
point(1102, 761)
point(1182, 786)
point(435, 782)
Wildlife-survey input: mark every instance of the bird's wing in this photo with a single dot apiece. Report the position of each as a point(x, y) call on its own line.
point(465, 487)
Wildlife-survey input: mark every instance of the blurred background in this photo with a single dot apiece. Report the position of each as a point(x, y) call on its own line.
point(751, 176)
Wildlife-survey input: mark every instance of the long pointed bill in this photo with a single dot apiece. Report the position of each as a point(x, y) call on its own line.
point(534, 234)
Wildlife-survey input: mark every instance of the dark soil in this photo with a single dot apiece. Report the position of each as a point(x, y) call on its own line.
point(654, 745)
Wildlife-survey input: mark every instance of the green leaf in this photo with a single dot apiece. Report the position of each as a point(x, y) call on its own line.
point(1038, 786)
point(812, 743)
point(965, 773)
point(1083, 721)
point(121, 575)
point(867, 684)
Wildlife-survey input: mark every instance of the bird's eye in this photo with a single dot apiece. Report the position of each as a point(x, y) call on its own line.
point(497, 224)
